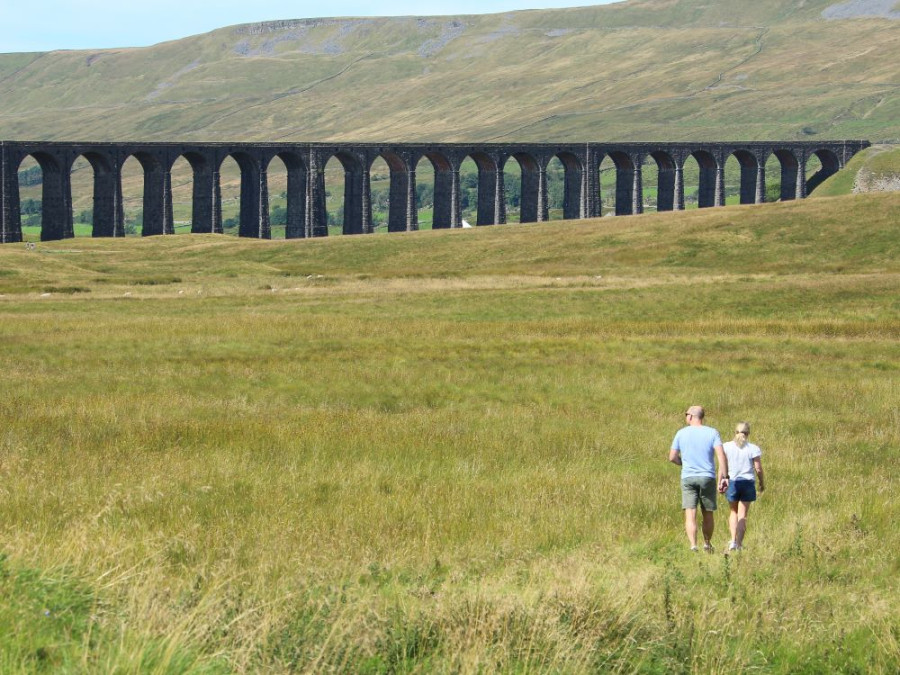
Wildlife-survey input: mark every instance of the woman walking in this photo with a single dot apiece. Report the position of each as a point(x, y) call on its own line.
point(744, 467)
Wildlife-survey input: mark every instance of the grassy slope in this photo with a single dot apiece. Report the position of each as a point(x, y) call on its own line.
point(445, 451)
point(643, 69)
point(783, 236)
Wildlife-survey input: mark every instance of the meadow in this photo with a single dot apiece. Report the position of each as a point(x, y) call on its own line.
point(447, 451)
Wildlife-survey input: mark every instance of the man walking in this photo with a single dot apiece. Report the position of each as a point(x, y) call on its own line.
point(695, 449)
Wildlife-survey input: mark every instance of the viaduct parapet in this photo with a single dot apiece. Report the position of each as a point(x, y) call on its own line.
point(305, 164)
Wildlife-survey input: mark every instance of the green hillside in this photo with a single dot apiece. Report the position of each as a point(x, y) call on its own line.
point(636, 70)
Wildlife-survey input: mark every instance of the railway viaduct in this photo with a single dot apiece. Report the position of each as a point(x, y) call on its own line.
point(305, 163)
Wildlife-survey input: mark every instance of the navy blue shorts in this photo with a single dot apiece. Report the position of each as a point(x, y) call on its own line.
point(741, 491)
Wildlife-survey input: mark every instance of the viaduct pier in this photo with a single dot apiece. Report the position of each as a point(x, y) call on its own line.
point(305, 164)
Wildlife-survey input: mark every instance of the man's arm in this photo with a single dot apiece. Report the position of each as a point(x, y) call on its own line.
point(757, 466)
point(675, 457)
point(723, 468)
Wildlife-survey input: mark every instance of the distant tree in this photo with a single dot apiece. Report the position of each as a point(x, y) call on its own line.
point(31, 176)
point(514, 193)
point(278, 215)
point(31, 207)
point(337, 217)
point(381, 199)
point(468, 198)
point(424, 195)
point(556, 194)
point(134, 225)
point(556, 185)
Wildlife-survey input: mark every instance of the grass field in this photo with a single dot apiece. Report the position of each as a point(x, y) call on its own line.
point(446, 451)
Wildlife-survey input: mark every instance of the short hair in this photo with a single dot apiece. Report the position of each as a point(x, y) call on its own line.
point(696, 411)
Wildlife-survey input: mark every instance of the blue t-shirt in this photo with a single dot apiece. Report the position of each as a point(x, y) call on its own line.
point(697, 448)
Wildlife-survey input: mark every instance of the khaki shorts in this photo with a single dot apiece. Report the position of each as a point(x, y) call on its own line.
point(698, 489)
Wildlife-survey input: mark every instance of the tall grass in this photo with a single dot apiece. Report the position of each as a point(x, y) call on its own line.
point(413, 464)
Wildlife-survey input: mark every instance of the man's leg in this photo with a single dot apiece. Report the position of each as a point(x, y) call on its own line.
point(690, 526)
point(709, 524)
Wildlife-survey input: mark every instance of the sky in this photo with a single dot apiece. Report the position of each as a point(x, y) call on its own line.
point(45, 25)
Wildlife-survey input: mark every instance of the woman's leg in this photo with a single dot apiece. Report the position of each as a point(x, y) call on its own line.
point(743, 508)
point(733, 519)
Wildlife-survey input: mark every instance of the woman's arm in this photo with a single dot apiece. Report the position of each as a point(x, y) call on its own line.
point(757, 466)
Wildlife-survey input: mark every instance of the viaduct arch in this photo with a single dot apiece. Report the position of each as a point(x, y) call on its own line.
point(305, 164)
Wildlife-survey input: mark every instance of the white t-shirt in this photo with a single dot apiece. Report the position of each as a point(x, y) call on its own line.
point(740, 460)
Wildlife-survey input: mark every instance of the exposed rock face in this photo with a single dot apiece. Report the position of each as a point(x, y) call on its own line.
point(857, 9)
point(867, 181)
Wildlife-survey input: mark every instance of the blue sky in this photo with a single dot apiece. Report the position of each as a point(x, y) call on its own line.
point(44, 25)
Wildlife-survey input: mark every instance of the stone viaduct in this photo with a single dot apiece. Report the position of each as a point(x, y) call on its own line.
point(305, 164)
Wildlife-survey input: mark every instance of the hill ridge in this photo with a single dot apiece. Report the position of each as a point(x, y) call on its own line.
point(674, 69)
